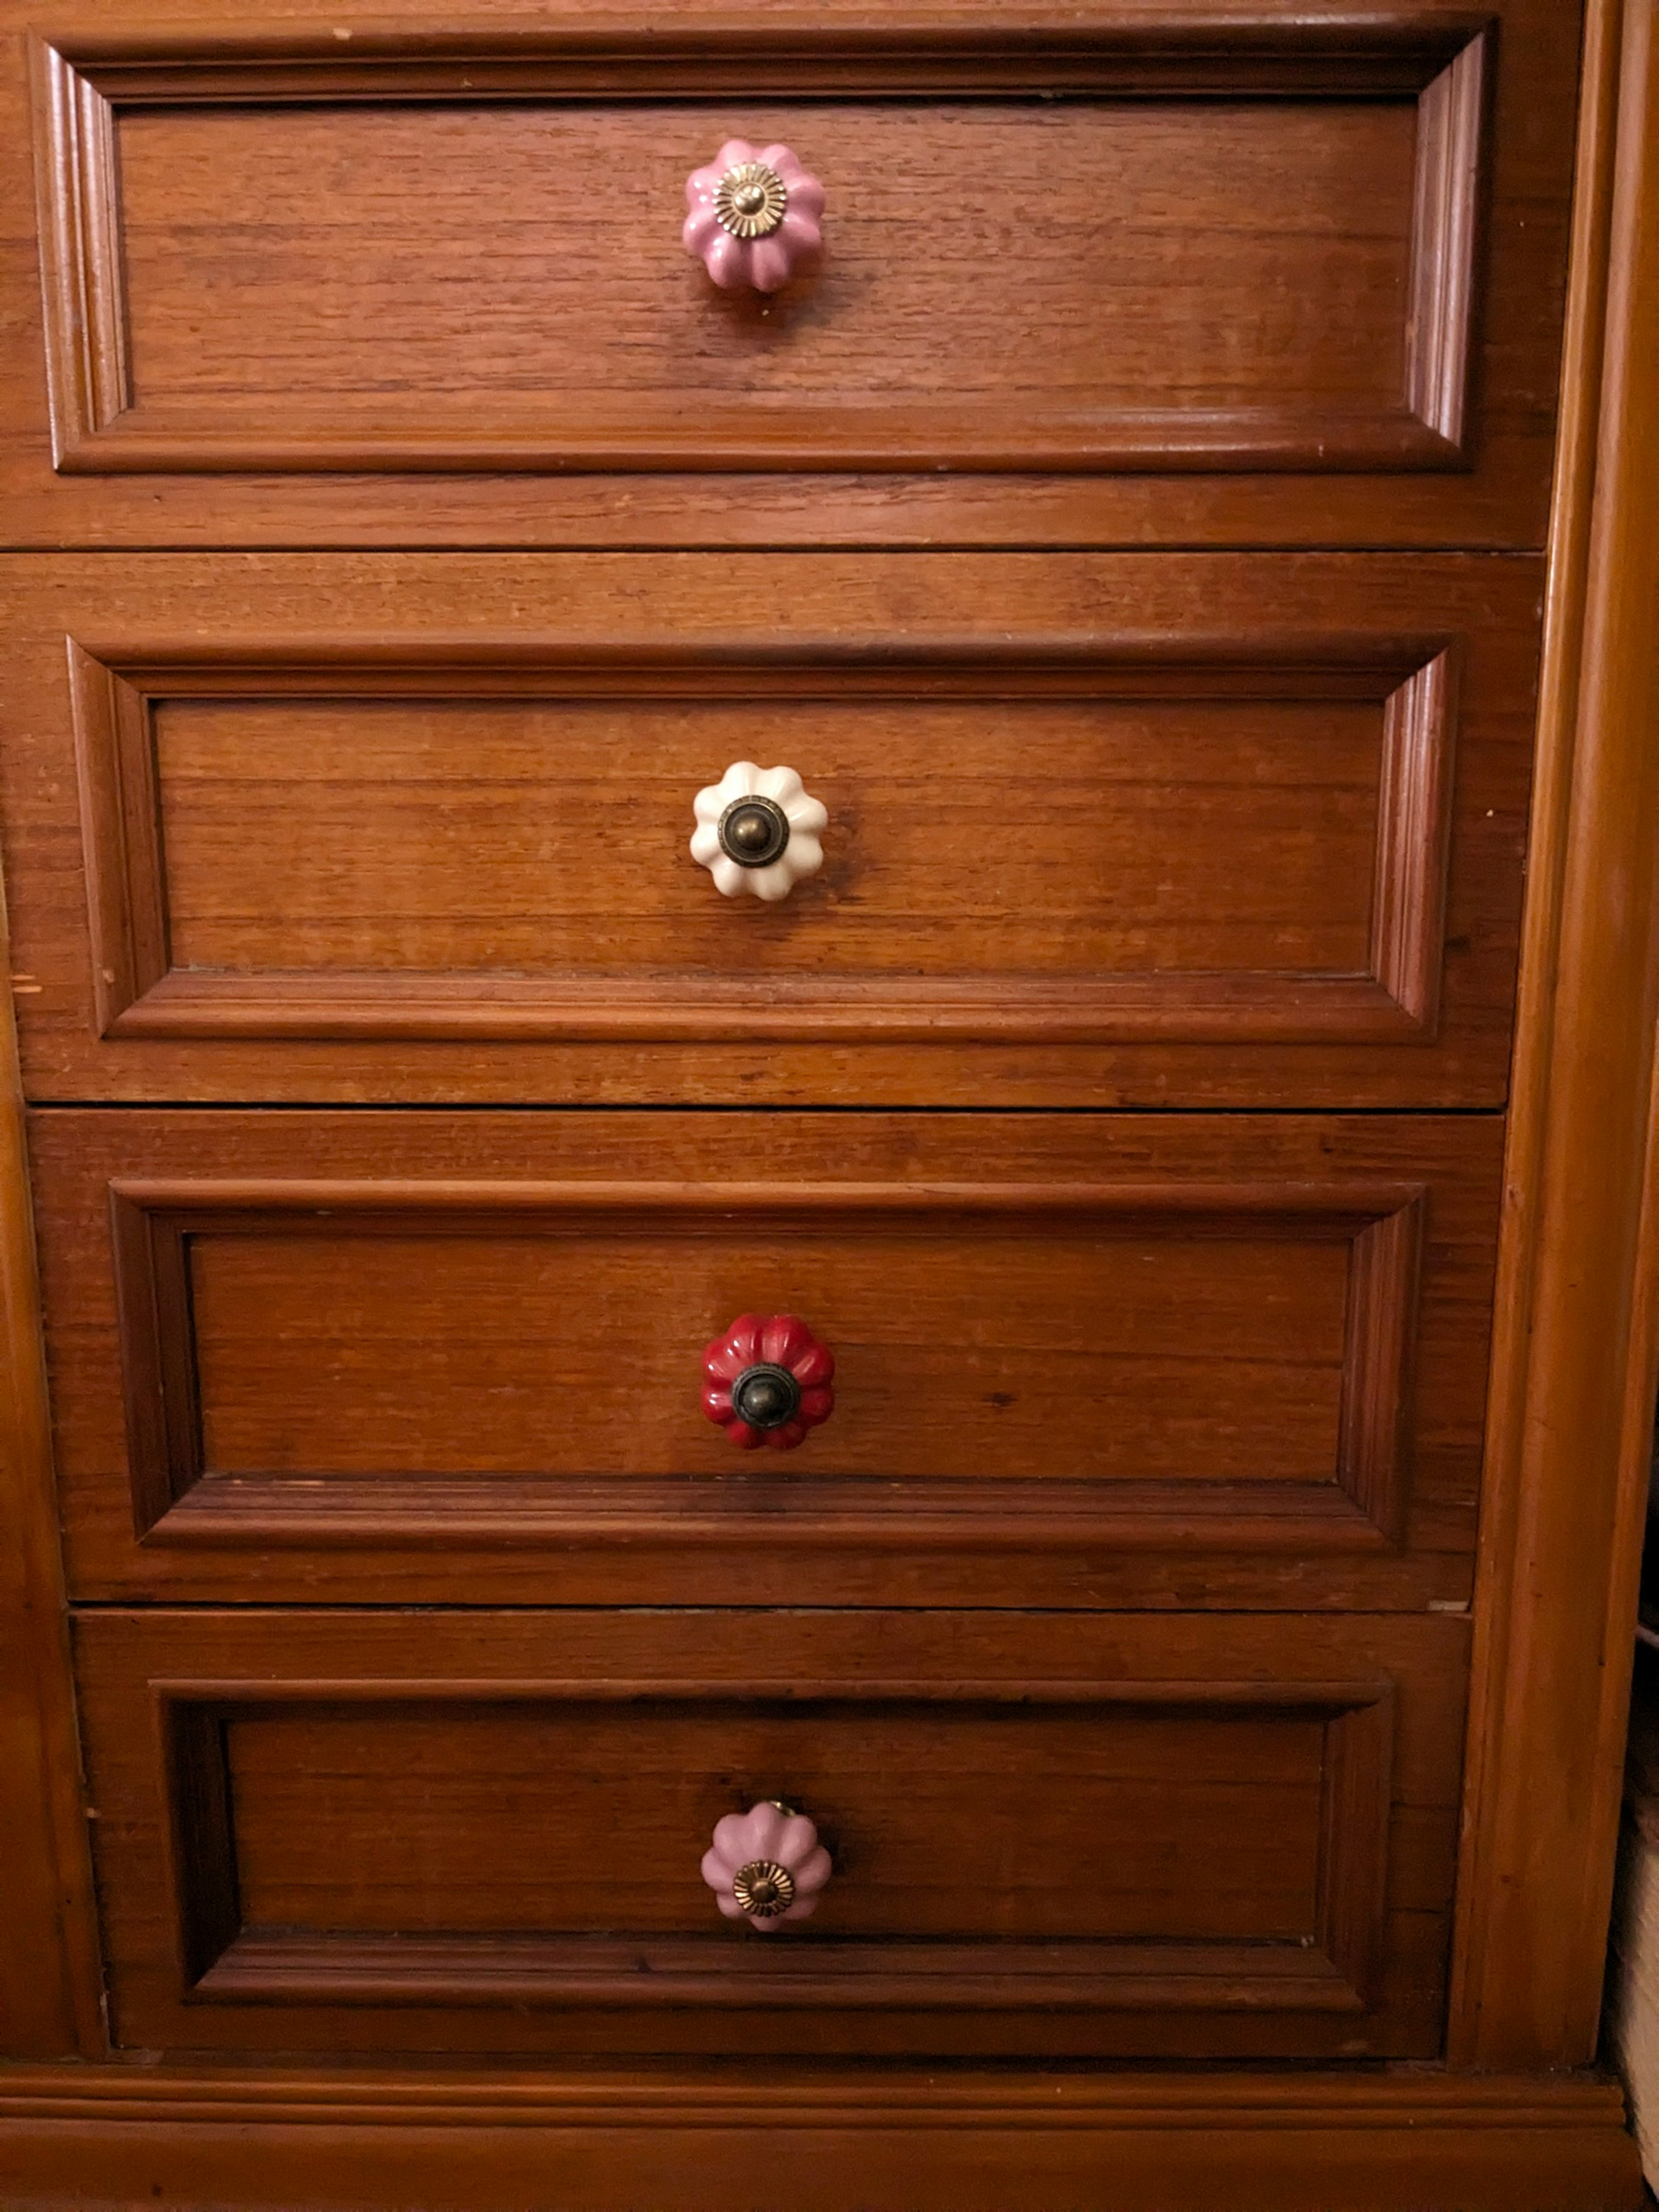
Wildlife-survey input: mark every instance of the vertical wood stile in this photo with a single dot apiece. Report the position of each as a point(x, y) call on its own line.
point(49, 1992)
point(1564, 1496)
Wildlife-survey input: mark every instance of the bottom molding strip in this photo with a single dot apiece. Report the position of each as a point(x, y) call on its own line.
point(118, 2138)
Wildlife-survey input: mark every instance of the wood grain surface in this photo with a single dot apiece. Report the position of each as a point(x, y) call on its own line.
point(415, 829)
point(49, 1966)
point(484, 1829)
point(1155, 244)
point(1016, 281)
point(1105, 850)
point(1570, 1440)
point(911, 2137)
point(332, 288)
point(1136, 1358)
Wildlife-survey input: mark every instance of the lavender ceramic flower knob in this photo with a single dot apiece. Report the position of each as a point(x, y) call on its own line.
point(766, 1866)
point(757, 830)
point(754, 216)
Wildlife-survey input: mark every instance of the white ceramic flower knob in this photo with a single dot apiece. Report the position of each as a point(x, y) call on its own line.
point(757, 830)
point(766, 1866)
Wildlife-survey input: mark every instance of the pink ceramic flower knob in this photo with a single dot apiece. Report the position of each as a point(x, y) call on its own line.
point(767, 1381)
point(766, 1866)
point(754, 216)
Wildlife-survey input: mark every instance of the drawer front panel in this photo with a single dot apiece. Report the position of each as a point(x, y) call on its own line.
point(403, 274)
point(327, 1830)
point(1182, 827)
point(293, 1345)
point(1056, 250)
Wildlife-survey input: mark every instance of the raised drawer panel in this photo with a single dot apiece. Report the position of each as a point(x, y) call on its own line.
point(486, 1833)
point(403, 275)
point(1179, 829)
point(1091, 275)
point(1077, 1358)
point(1015, 851)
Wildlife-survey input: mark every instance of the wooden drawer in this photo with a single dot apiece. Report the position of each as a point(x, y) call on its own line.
point(288, 272)
point(1080, 1359)
point(1150, 829)
point(1131, 1836)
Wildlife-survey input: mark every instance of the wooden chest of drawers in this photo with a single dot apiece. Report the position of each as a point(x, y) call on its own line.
point(1133, 605)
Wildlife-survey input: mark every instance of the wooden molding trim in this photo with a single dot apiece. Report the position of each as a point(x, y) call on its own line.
point(126, 2137)
point(1574, 1365)
point(51, 1986)
point(101, 426)
point(140, 992)
point(1449, 184)
point(225, 1962)
point(177, 1499)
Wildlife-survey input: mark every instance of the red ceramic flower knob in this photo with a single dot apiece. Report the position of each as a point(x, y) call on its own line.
point(766, 1866)
point(767, 1381)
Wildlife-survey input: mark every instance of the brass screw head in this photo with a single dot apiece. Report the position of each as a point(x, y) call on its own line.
point(754, 832)
point(749, 200)
point(763, 1889)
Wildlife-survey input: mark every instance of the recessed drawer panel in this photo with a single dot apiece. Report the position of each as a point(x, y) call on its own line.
point(1079, 246)
point(1206, 826)
point(1134, 1836)
point(1073, 1357)
point(431, 269)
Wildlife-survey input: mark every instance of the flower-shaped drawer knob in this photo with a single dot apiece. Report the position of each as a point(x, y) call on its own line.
point(767, 1381)
point(757, 830)
point(766, 1866)
point(753, 219)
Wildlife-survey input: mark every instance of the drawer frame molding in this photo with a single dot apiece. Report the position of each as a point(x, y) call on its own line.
point(280, 1790)
point(85, 80)
point(177, 1500)
point(1333, 1970)
point(140, 994)
point(703, 2139)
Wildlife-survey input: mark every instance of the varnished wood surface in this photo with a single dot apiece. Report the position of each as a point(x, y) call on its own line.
point(1144, 1358)
point(475, 1832)
point(415, 829)
point(1021, 848)
point(1107, 280)
point(1567, 1470)
point(121, 2137)
point(1559, 1535)
point(1291, 324)
point(49, 1985)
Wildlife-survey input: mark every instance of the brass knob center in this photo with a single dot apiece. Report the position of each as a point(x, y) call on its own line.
point(763, 1889)
point(749, 201)
point(754, 832)
point(765, 1397)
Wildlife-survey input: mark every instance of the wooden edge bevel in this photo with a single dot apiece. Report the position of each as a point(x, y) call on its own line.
point(160, 1389)
point(1413, 838)
point(1565, 1485)
point(51, 1985)
point(122, 849)
point(78, 175)
point(1445, 290)
point(1353, 1886)
point(201, 1833)
point(1377, 1363)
